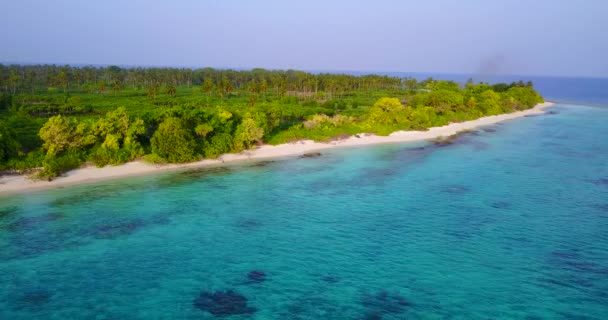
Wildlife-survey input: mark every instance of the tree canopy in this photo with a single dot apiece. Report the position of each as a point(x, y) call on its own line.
point(173, 142)
point(59, 117)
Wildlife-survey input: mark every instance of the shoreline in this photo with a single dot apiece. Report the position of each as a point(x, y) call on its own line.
point(22, 184)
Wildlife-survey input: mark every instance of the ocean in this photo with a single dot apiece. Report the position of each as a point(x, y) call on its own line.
point(508, 222)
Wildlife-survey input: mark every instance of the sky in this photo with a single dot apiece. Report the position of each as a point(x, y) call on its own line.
point(523, 37)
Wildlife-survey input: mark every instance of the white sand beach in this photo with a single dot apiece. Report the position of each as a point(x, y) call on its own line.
point(23, 184)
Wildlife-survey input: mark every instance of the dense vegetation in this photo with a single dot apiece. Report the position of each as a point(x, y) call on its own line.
point(59, 117)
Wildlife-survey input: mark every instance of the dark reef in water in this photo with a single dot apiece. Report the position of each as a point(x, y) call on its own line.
point(330, 279)
point(223, 303)
point(249, 224)
point(456, 189)
point(126, 227)
point(91, 194)
point(463, 138)
point(8, 212)
point(396, 162)
point(479, 145)
point(209, 171)
point(385, 302)
point(28, 223)
point(501, 205)
point(262, 164)
point(256, 276)
point(565, 254)
point(160, 219)
point(445, 141)
point(113, 230)
point(600, 181)
point(602, 207)
point(34, 298)
point(177, 178)
point(311, 155)
point(374, 315)
point(573, 260)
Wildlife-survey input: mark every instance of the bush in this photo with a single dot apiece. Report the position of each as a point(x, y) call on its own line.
point(9, 147)
point(218, 144)
point(319, 120)
point(334, 104)
point(247, 133)
point(387, 111)
point(6, 100)
point(154, 159)
point(56, 165)
point(173, 142)
point(310, 104)
point(32, 160)
point(103, 156)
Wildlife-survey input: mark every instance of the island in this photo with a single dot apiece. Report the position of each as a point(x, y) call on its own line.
point(63, 121)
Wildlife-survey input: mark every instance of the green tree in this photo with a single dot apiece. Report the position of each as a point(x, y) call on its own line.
point(59, 134)
point(445, 85)
point(263, 86)
point(9, 147)
point(490, 103)
point(62, 81)
point(387, 111)
point(208, 86)
point(225, 86)
point(202, 130)
point(247, 133)
point(218, 144)
point(131, 142)
point(101, 86)
point(443, 100)
point(115, 122)
point(171, 90)
point(525, 96)
point(153, 88)
point(173, 142)
point(13, 81)
point(116, 85)
point(411, 85)
point(118, 132)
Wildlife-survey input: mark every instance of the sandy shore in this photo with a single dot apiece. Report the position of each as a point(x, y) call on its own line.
point(21, 184)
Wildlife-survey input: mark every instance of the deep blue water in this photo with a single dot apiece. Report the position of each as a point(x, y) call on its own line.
point(509, 222)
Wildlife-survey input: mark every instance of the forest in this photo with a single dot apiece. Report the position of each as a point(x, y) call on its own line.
point(57, 118)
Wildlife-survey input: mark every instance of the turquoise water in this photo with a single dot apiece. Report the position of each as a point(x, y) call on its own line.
point(509, 222)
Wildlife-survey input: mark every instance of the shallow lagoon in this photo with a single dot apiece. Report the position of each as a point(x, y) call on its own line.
point(510, 222)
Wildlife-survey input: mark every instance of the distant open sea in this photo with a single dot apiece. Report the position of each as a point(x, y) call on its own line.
point(508, 222)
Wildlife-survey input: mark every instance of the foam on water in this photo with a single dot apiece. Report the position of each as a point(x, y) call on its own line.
point(508, 222)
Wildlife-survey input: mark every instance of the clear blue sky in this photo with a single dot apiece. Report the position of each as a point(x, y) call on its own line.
point(540, 37)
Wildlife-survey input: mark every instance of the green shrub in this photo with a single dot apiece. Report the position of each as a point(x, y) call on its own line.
point(218, 144)
point(103, 156)
point(153, 158)
point(173, 142)
point(9, 146)
point(54, 166)
point(31, 160)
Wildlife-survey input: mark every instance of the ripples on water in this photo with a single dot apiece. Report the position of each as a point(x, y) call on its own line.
point(509, 222)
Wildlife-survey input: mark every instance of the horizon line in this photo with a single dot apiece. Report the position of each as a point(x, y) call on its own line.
point(312, 70)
